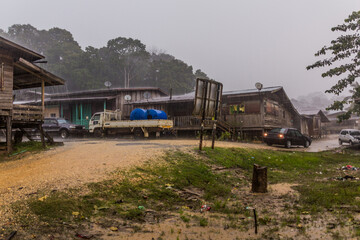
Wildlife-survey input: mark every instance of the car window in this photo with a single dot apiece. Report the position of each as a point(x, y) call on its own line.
point(278, 130)
point(62, 121)
point(343, 132)
point(298, 134)
point(46, 121)
point(53, 122)
point(290, 133)
point(96, 117)
point(355, 133)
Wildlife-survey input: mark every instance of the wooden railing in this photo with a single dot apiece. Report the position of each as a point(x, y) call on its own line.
point(190, 122)
point(27, 113)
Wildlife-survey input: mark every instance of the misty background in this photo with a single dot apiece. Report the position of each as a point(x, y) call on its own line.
point(235, 42)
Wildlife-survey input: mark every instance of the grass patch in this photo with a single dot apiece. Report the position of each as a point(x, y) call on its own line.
point(283, 166)
point(326, 195)
point(26, 147)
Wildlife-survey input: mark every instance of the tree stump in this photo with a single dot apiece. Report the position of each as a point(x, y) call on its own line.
point(259, 181)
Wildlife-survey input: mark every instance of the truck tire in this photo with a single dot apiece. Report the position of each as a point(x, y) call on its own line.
point(138, 133)
point(64, 133)
point(288, 144)
point(98, 133)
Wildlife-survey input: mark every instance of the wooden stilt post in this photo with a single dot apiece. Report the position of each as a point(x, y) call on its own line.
point(8, 133)
point(43, 112)
point(203, 116)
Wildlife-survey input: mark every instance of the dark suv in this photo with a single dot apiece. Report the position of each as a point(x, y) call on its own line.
point(62, 127)
point(286, 137)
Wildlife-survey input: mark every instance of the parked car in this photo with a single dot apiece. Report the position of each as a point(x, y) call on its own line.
point(62, 127)
point(351, 136)
point(286, 137)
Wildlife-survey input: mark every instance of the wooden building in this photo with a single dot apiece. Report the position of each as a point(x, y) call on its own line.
point(246, 112)
point(313, 123)
point(78, 107)
point(18, 71)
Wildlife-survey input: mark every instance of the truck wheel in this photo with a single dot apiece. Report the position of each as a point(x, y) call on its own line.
point(98, 133)
point(64, 133)
point(288, 144)
point(351, 143)
point(307, 144)
point(138, 133)
point(340, 142)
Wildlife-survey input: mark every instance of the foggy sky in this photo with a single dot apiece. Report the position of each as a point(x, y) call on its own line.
point(235, 42)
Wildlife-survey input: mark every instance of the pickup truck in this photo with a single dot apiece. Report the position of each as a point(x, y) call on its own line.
point(62, 127)
point(110, 122)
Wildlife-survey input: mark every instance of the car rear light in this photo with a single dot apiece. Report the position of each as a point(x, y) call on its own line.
point(265, 134)
point(281, 136)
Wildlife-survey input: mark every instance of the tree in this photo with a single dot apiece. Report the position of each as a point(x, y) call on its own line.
point(345, 53)
point(130, 55)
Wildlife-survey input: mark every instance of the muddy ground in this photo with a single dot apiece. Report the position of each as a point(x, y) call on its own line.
point(82, 161)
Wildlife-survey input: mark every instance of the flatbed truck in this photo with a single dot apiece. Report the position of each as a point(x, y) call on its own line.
point(110, 122)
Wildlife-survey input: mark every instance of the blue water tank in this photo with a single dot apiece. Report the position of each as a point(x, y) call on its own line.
point(138, 114)
point(156, 114)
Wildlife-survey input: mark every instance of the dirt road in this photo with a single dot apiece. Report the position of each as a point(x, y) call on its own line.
point(88, 160)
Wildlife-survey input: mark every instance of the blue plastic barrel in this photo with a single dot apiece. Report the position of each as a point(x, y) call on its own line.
point(138, 114)
point(156, 114)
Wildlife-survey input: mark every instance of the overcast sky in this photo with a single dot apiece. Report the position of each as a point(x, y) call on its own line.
point(236, 42)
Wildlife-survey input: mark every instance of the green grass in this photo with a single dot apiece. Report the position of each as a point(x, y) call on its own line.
point(162, 186)
point(283, 166)
point(26, 147)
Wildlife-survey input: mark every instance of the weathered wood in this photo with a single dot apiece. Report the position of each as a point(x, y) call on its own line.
point(8, 134)
point(259, 180)
point(26, 134)
point(42, 135)
point(49, 138)
point(43, 96)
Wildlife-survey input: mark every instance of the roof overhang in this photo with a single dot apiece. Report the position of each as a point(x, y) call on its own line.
point(28, 75)
point(19, 51)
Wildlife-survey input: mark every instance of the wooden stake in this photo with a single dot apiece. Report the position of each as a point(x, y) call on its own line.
point(259, 181)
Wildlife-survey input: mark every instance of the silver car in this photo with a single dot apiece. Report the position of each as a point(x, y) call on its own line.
point(351, 136)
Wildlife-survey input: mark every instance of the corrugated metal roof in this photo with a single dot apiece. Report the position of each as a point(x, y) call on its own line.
point(248, 91)
point(191, 96)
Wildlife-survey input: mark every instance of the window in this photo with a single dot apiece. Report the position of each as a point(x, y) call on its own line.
point(298, 134)
point(96, 117)
point(272, 109)
point(53, 115)
point(344, 132)
point(234, 109)
point(278, 130)
point(252, 107)
point(284, 114)
point(355, 133)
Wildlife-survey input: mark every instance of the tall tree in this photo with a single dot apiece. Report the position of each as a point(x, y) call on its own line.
point(345, 55)
point(129, 55)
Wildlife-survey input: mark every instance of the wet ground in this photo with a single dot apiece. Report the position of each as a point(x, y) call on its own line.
point(84, 160)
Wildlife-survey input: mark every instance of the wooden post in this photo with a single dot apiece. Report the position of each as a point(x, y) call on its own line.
point(42, 135)
point(259, 181)
point(43, 97)
point(203, 115)
point(8, 133)
point(215, 117)
point(43, 112)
